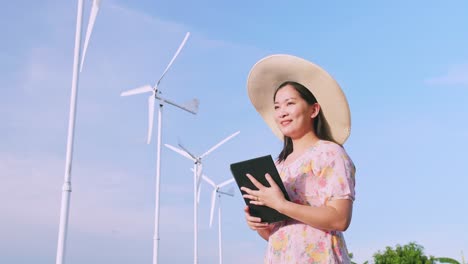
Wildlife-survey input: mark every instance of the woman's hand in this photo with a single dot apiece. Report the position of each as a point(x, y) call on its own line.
point(266, 196)
point(255, 223)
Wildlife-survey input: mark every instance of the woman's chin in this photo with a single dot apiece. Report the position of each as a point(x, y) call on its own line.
point(288, 133)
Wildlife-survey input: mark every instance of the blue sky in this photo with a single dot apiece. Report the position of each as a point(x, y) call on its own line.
point(403, 66)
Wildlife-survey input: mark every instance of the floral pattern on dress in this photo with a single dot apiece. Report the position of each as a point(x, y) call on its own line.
point(323, 173)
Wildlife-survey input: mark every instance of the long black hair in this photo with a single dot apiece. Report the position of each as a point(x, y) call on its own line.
point(320, 127)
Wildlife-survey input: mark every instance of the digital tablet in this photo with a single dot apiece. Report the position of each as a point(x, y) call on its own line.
point(258, 167)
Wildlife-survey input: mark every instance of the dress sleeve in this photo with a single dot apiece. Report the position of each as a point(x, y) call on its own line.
point(337, 178)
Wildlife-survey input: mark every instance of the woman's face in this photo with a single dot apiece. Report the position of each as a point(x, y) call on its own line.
point(293, 115)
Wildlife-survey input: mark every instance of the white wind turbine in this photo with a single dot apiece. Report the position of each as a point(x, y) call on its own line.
point(191, 107)
point(67, 187)
point(216, 194)
point(197, 172)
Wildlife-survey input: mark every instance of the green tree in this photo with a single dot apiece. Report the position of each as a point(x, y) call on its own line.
point(411, 253)
point(351, 255)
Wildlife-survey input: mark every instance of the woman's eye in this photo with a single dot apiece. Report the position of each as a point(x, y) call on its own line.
point(276, 107)
point(290, 103)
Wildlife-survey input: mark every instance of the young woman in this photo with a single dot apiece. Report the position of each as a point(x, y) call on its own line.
point(306, 108)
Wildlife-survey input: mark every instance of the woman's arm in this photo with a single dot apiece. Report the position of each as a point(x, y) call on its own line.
point(334, 215)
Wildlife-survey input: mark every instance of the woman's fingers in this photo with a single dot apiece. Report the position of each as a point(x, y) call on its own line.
point(255, 182)
point(254, 199)
point(255, 223)
point(271, 181)
point(251, 218)
point(257, 202)
point(247, 190)
point(258, 226)
point(250, 196)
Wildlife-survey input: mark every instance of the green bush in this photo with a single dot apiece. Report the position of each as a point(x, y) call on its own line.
point(411, 253)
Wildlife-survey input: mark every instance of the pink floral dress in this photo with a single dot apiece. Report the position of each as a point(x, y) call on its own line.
point(323, 173)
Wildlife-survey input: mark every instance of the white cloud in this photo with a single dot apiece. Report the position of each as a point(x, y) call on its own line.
point(456, 75)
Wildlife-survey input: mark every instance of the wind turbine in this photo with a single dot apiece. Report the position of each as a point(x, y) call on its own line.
point(191, 107)
point(217, 194)
point(67, 187)
point(197, 172)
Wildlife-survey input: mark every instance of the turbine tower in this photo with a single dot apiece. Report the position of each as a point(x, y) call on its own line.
point(67, 186)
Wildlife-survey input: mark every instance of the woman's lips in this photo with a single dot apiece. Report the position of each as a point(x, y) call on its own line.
point(285, 122)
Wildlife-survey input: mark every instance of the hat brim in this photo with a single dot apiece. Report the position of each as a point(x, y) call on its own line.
point(270, 72)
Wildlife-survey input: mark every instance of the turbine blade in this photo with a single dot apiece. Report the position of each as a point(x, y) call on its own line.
point(89, 30)
point(219, 144)
point(188, 152)
point(198, 194)
point(199, 179)
point(151, 101)
point(139, 90)
point(209, 181)
point(173, 58)
point(225, 183)
point(198, 189)
point(193, 108)
point(213, 201)
point(181, 152)
point(199, 174)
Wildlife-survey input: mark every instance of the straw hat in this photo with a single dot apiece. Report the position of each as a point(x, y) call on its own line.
point(270, 72)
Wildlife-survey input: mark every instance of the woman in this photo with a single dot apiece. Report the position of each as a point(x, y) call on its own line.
point(306, 108)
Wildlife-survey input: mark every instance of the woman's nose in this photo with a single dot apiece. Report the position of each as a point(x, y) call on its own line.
point(282, 113)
